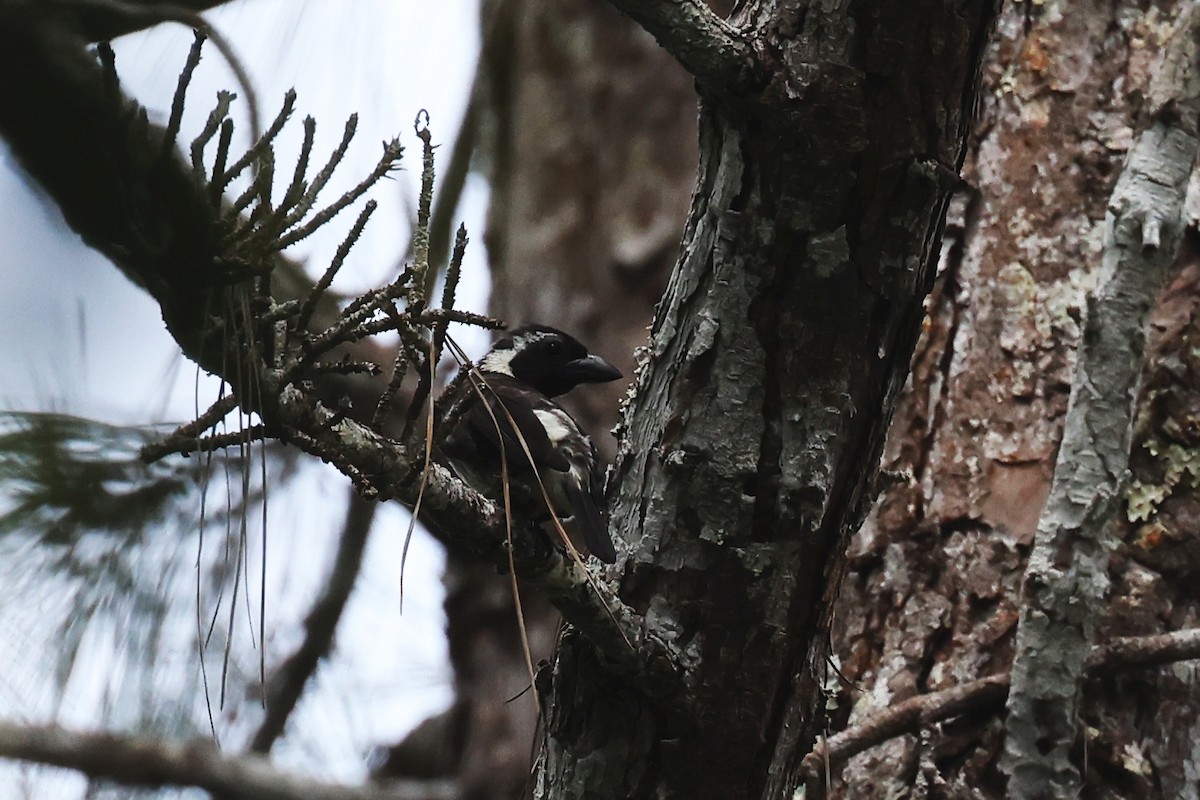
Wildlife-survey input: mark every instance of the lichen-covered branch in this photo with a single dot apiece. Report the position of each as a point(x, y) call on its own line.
point(1067, 576)
point(152, 763)
point(384, 469)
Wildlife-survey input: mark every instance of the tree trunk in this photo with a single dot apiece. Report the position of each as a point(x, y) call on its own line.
point(931, 601)
point(760, 410)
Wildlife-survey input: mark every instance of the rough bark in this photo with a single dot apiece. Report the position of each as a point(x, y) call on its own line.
point(1066, 581)
point(759, 413)
point(934, 575)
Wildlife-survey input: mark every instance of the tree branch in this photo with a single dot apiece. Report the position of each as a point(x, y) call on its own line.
point(150, 763)
point(715, 52)
point(1066, 579)
point(465, 518)
point(987, 696)
point(157, 225)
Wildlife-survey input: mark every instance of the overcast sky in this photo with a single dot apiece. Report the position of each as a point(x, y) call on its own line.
point(79, 338)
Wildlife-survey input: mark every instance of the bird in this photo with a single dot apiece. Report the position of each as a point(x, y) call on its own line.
point(518, 378)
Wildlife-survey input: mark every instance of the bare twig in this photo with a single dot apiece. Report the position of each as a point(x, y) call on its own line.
point(261, 142)
point(216, 120)
point(177, 103)
point(420, 239)
point(1145, 651)
point(454, 179)
point(339, 258)
point(145, 762)
point(220, 160)
point(205, 444)
point(318, 183)
point(190, 430)
point(386, 163)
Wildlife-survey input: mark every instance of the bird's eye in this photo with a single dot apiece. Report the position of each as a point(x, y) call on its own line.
point(554, 346)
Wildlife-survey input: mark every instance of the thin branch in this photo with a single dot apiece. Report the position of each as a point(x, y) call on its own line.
point(386, 163)
point(630, 646)
point(305, 204)
point(339, 258)
point(1145, 651)
point(984, 695)
point(216, 120)
point(220, 161)
point(288, 680)
point(189, 431)
point(1066, 580)
point(987, 696)
point(420, 239)
point(345, 367)
point(454, 180)
point(707, 46)
point(153, 763)
point(333, 337)
point(205, 444)
point(263, 141)
point(177, 103)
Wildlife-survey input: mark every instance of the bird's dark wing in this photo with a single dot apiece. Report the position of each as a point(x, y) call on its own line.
point(590, 521)
point(502, 395)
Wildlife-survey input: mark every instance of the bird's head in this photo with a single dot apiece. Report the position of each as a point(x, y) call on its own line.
point(546, 359)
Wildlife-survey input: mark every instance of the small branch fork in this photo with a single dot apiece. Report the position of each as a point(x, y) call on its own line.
point(983, 696)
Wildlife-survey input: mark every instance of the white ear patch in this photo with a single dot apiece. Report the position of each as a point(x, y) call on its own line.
point(499, 361)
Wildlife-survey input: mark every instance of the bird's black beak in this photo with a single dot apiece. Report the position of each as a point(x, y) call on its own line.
point(592, 369)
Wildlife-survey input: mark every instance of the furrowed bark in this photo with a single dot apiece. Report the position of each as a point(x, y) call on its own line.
point(933, 586)
point(756, 422)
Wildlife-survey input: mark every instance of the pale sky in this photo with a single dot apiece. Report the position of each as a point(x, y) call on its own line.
point(81, 339)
